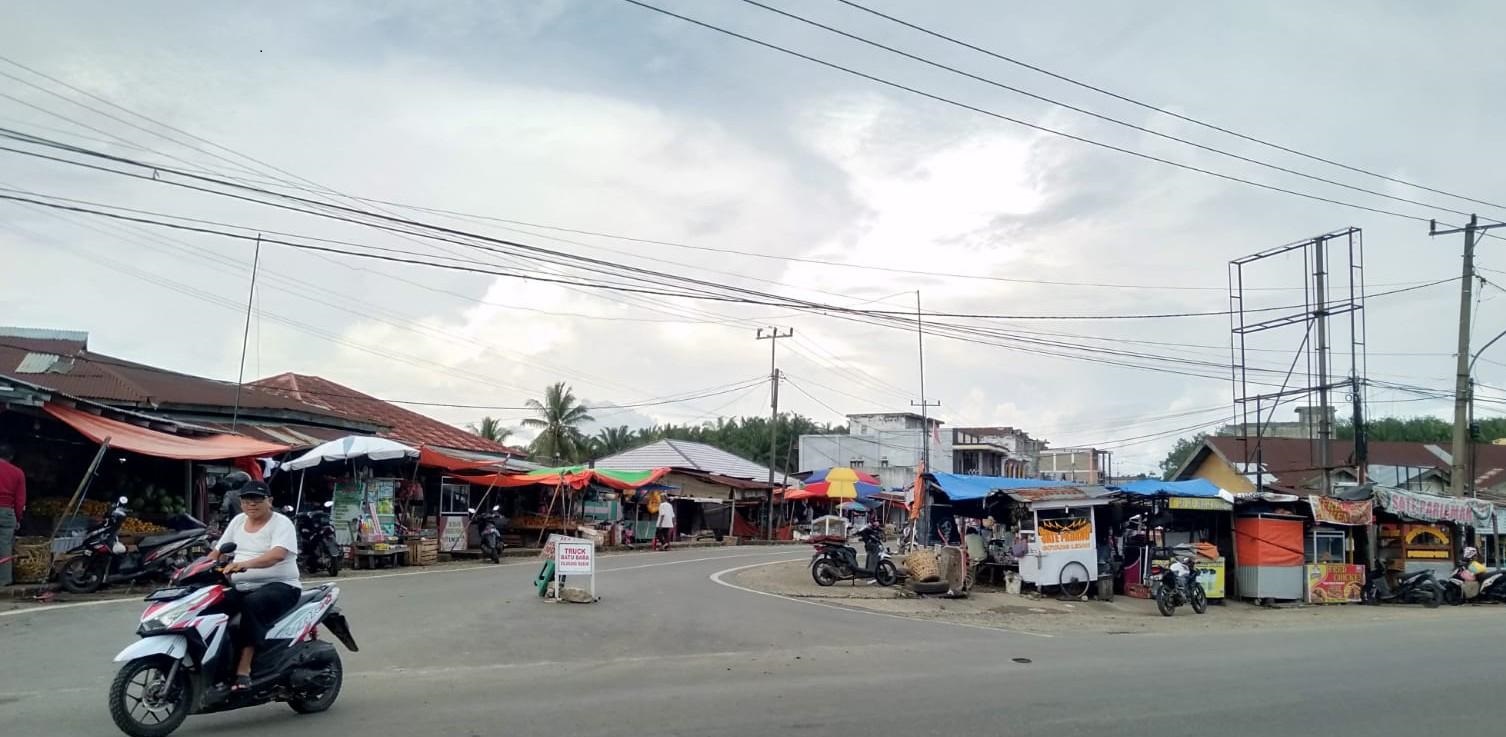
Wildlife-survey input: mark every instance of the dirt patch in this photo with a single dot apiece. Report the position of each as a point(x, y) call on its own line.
point(990, 607)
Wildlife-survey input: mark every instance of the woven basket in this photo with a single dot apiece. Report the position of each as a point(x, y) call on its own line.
point(33, 555)
point(922, 566)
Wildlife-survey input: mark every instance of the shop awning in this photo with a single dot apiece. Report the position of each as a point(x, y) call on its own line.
point(146, 441)
point(434, 459)
point(575, 477)
point(1156, 487)
point(961, 487)
point(1432, 508)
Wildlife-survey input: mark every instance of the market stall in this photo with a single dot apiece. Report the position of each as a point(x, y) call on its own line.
point(569, 500)
point(1269, 556)
point(1417, 531)
point(1333, 547)
point(1160, 516)
point(369, 495)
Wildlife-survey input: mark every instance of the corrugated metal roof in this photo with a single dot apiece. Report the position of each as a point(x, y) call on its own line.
point(405, 426)
point(1292, 462)
point(685, 454)
point(37, 363)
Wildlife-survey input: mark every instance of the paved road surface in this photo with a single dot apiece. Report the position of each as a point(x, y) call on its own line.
point(668, 652)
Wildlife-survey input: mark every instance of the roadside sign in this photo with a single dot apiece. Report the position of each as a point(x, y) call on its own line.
point(574, 557)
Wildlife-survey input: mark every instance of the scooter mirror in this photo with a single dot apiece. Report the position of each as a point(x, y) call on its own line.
point(227, 548)
point(497, 508)
point(472, 510)
point(123, 500)
point(287, 509)
point(329, 505)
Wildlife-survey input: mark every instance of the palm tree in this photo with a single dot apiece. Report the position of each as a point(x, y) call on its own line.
point(491, 429)
point(558, 421)
point(610, 440)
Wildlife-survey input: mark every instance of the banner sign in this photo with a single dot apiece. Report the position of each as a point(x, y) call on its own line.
point(1342, 512)
point(1206, 503)
point(574, 557)
point(1065, 534)
point(1334, 583)
point(1430, 508)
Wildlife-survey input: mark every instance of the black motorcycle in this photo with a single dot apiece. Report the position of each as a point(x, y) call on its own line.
point(1489, 585)
point(489, 526)
point(317, 548)
point(100, 558)
point(1179, 586)
point(1418, 587)
point(836, 561)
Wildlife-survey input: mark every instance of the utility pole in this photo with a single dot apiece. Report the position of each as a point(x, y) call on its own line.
point(773, 334)
point(1463, 364)
point(240, 379)
point(925, 422)
point(1320, 316)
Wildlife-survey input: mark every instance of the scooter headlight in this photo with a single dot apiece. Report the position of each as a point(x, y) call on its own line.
point(174, 613)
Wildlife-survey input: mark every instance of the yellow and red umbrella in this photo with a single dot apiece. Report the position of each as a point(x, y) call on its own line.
point(838, 482)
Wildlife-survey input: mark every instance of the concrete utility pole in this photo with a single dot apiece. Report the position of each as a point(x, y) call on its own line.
point(925, 422)
point(1320, 316)
point(1457, 480)
point(773, 334)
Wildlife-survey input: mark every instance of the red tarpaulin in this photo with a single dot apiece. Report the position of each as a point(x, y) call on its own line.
point(575, 477)
point(125, 436)
point(436, 459)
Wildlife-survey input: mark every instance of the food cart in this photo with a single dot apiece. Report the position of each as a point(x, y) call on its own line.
point(1062, 552)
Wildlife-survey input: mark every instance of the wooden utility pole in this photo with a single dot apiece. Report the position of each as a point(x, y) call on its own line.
point(1471, 231)
point(773, 334)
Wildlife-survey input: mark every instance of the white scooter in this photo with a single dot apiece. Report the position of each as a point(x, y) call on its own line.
point(184, 662)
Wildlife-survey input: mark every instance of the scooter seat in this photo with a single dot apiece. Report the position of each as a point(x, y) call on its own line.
point(312, 594)
point(153, 541)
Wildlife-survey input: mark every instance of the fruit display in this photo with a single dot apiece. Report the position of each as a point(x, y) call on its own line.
point(154, 499)
point(53, 507)
point(140, 528)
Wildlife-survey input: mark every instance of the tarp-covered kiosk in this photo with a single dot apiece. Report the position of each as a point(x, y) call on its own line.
point(1168, 514)
point(1418, 531)
point(1268, 551)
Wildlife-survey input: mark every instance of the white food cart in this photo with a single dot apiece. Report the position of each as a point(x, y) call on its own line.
point(1063, 548)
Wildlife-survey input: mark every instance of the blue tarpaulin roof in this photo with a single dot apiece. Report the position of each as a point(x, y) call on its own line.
point(961, 488)
point(1155, 487)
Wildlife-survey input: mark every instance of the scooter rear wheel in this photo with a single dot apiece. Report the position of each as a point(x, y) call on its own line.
point(1163, 602)
point(81, 576)
point(326, 699)
point(143, 704)
point(824, 573)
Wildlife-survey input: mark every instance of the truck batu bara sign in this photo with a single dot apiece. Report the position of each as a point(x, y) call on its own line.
point(574, 557)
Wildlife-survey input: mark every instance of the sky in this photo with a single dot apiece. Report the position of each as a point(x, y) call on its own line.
point(704, 155)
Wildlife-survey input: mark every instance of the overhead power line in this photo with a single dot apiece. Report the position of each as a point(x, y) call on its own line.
point(1163, 111)
point(1017, 121)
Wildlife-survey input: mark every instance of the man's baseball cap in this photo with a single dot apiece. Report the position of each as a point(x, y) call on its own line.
point(255, 490)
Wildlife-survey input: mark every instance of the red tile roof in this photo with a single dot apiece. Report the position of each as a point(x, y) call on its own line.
point(406, 426)
point(1293, 461)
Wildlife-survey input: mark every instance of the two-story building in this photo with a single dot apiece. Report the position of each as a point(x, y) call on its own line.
point(995, 451)
point(889, 445)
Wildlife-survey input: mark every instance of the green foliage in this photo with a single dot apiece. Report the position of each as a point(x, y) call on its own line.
point(560, 416)
point(491, 429)
point(1424, 429)
point(1179, 454)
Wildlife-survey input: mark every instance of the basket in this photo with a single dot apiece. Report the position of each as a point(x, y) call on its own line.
point(923, 566)
point(33, 556)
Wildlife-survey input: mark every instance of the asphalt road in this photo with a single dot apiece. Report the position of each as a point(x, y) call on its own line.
point(670, 652)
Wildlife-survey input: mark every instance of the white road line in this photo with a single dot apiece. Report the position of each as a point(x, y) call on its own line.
point(358, 579)
point(717, 579)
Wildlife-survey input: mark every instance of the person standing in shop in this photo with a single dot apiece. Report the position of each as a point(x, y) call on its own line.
point(12, 505)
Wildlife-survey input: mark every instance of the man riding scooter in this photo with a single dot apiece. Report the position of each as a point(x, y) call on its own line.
point(264, 571)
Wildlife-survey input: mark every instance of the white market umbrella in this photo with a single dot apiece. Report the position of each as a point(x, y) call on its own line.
point(353, 446)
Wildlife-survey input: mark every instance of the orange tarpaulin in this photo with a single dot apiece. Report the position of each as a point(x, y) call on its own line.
point(435, 459)
point(1263, 541)
point(146, 441)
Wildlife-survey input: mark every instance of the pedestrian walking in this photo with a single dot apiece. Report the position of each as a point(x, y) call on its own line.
point(12, 506)
point(666, 532)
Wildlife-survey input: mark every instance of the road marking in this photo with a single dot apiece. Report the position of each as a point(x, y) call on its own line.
point(717, 579)
point(461, 569)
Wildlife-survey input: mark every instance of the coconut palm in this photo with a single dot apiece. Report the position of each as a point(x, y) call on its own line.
point(559, 418)
point(491, 429)
point(610, 440)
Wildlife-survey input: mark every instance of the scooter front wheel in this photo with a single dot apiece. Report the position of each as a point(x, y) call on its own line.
point(142, 701)
point(886, 574)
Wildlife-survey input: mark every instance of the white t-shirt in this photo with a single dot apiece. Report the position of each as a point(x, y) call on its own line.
point(666, 514)
point(277, 533)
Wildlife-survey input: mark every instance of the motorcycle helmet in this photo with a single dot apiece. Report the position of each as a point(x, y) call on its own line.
point(232, 481)
point(1470, 553)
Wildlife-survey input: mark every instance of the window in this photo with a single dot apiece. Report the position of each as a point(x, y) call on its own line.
point(855, 463)
point(883, 463)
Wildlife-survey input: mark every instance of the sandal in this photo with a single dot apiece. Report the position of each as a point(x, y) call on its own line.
point(241, 683)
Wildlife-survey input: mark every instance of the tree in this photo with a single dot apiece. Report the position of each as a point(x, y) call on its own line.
point(1179, 454)
point(610, 440)
point(491, 429)
point(559, 418)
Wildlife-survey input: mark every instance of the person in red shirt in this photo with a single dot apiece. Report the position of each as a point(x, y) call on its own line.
point(12, 504)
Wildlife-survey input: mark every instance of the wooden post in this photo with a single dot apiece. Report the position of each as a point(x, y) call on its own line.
point(78, 498)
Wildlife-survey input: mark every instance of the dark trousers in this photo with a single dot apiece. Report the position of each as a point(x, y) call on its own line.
point(260, 608)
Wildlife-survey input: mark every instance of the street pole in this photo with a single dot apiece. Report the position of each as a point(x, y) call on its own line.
point(1471, 371)
point(773, 334)
point(925, 418)
point(1463, 364)
point(1325, 427)
point(240, 379)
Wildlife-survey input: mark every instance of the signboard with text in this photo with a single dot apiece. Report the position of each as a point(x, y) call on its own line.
point(574, 557)
point(1334, 583)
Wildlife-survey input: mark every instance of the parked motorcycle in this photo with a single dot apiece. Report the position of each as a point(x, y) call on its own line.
point(836, 561)
point(100, 558)
point(1178, 586)
point(1418, 587)
point(317, 548)
point(1467, 585)
point(489, 526)
point(185, 662)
